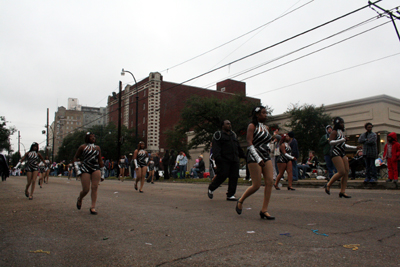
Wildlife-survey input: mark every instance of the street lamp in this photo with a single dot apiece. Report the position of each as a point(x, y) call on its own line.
point(137, 100)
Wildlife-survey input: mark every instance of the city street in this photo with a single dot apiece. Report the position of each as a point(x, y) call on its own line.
point(176, 224)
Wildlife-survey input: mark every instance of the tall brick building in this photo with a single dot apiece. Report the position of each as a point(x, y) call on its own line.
point(160, 104)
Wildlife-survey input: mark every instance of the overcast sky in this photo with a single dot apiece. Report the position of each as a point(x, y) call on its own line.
point(53, 50)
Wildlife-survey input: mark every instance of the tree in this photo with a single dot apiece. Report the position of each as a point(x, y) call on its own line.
point(106, 138)
point(15, 158)
point(5, 134)
point(308, 124)
point(203, 116)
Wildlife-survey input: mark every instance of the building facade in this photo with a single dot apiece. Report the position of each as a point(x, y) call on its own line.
point(160, 104)
point(76, 117)
point(382, 111)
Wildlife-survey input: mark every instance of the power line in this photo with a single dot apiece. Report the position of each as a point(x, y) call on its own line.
point(242, 58)
point(318, 50)
point(327, 74)
point(215, 48)
point(294, 51)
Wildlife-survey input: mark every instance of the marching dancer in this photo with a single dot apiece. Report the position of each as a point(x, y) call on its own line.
point(258, 161)
point(122, 167)
point(31, 168)
point(337, 140)
point(91, 170)
point(284, 162)
point(140, 158)
point(47, 170)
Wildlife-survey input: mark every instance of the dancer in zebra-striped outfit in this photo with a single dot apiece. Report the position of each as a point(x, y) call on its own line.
point(140, 158)
point(91, 170)
point(285, 162)
point(258, 160)
point(337, 140)
point(47, 170)
point(31, 167)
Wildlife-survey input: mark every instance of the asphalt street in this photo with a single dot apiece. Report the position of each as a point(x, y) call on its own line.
point(176, 224)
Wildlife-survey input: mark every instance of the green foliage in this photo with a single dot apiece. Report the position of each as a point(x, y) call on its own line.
point(15, 157)
point(204, 115)
point(106, 138)
point(308, 124)
point(5, 134)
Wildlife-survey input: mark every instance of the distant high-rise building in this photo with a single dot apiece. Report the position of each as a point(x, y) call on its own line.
point(160, 105)
point(75, 118)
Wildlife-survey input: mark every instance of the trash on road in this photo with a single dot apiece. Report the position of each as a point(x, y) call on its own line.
point(248, 208)
point(40, 251)
point(251, 232)
point(286, 234)
point(115, 192)
point(352, 246)
point(311, 224)
point(149, 244)
point(105, 238)
point(316, 232)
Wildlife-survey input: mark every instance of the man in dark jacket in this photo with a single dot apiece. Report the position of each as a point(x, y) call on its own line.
point(226, 152)
point(368, 140)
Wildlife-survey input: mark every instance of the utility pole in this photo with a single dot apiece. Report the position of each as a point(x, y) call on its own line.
point(119, 121)
point(391, 15)
point(19, 142)
point(47, 130)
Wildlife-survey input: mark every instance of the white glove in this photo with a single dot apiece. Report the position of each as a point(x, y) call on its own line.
point(103, 172)
point(19, 163)
point(77, 166)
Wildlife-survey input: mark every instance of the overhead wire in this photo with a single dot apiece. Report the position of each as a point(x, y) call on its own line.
point(327, 74)
point(222, 45)
point(294, 51)
point(262, 28)
point(318, 50)
point(240, 59)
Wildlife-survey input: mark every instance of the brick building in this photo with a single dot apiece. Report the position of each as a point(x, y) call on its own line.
point(160, 104)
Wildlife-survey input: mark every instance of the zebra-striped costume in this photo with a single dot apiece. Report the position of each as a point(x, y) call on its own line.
point(33, 162)
point(260, 149)
point(287, 156)
point(142, 158)
point(47, 163)
point(338, 146)
point(42, 167)
point(90, 159)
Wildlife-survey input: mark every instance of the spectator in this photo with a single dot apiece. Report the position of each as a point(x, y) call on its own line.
point(4, 171)
point(310, 163)
point(181, 162)
point(107, 165)
point(368, 140)
point(295, 153)
point(172, 158)
point(199, 169)
point(156, 159)
point(324, 143)
point(165, 162)
point(355, 162)
point(392, 156)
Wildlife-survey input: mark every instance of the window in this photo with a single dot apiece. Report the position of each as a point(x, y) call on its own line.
point(144, 120)
point(144, 92)
point(144, 133)
point(144, 106)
